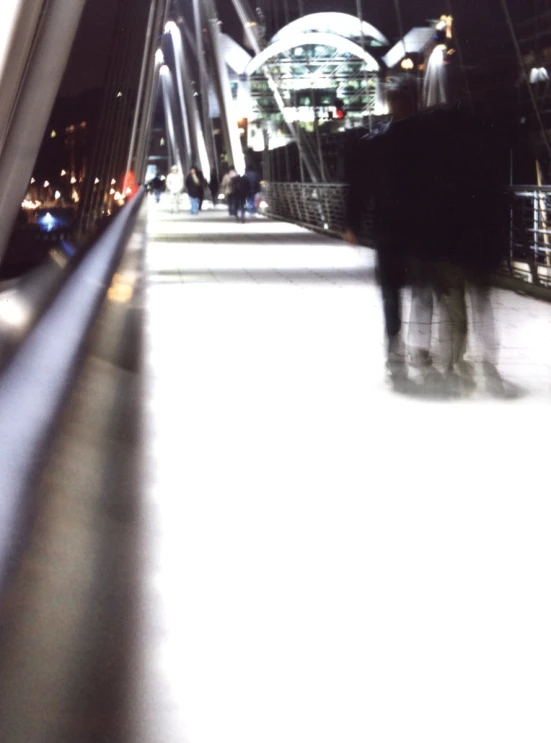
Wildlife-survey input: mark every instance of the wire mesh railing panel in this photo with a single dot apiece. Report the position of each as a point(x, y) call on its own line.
point(313, 205)
point(531, 234)
point(322, 207)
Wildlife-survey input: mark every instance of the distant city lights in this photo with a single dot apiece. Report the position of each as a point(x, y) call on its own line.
point(47, 221)
point(29, 204)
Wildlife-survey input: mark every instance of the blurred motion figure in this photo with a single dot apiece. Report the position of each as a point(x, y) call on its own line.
point(175, 186)
point(439, 220)
point(195, 186)
point(227, 189)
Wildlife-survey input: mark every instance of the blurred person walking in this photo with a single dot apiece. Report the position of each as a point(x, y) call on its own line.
point(156, 187)
point(227, 189)
point(214, 187)
point(460, 190)
point(175, 186)
point(195, 189)
point(240, 188)
point(253, 180)
point(374, 174)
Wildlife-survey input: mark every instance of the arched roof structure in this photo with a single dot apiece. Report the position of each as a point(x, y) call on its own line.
point(236, 57)
point(340, 24)
point(293, 41)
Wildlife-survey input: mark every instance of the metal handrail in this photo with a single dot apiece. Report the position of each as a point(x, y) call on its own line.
point(322, 207)
point(35, 382)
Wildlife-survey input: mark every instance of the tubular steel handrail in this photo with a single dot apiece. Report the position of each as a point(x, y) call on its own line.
point(322, 207)
point(35, 382)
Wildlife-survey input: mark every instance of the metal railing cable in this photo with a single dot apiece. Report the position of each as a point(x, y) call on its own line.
point(322, 207)
point(37, 379)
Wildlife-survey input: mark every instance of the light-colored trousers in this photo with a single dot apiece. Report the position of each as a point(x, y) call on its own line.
point(447, 294)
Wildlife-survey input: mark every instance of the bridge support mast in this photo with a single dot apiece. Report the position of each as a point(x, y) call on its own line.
point(47, 37)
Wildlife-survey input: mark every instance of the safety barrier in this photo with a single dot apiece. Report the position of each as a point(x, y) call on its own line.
point(41, 371)
point(321, 207)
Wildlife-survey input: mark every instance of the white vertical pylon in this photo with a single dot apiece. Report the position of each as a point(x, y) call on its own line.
point(198, 48)
point(19, 21)
point(29, 114)
point(188, 102)
point(168, 99)
point(172, 30)
point(227, 107)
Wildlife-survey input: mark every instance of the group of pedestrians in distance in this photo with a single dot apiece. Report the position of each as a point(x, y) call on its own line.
point(427, 191)
point(240, 191)
point(195, 185)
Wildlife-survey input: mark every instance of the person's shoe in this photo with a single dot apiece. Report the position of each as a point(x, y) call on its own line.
point(395, 359)
point(465, 369)
point(497, 386)
point(420, 358)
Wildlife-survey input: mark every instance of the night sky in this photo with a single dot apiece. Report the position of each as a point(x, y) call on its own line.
point(480, 27)
point(480, 24)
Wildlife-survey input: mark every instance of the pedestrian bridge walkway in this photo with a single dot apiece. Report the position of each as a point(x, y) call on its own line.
point(327, 559)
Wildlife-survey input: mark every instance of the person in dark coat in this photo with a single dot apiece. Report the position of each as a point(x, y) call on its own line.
point(439, 222)
point(156, 186)
point(214, 187)
point(240, 192)
point(195, 188)
point(253, 180)
point(379, 190)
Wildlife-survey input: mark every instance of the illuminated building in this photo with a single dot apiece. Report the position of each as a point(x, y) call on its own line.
point(326, 68)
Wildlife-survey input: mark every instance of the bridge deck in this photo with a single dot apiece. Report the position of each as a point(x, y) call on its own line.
point(331, 560)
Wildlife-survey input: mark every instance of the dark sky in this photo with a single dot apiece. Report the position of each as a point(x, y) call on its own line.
point(480, 27)
point(91, 48)
point(480, 24)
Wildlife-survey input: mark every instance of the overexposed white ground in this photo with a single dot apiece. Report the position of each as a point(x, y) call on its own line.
point(329, 560)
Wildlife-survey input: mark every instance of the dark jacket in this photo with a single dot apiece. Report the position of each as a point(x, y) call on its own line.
point(156, 184)
point(240, 187)
point(253, 180)
point(433, 189)
point(196, 190)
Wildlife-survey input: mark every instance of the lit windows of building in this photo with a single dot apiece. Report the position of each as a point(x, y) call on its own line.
point(323, 64)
